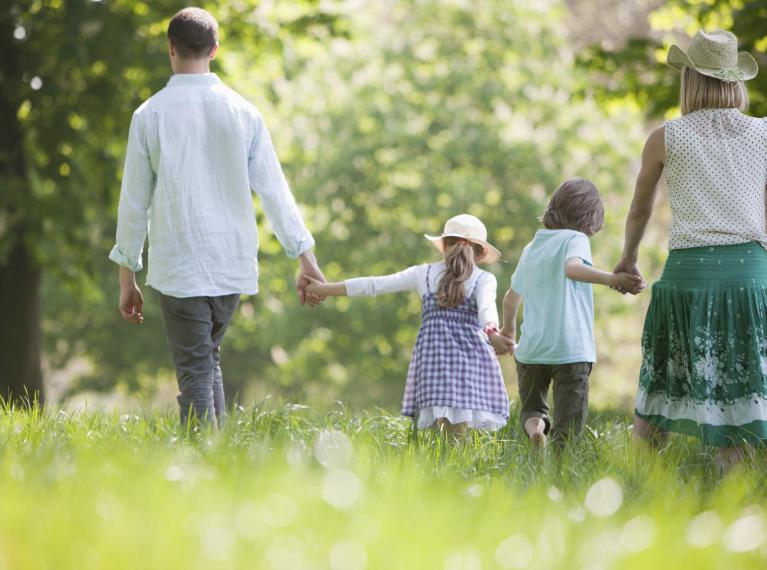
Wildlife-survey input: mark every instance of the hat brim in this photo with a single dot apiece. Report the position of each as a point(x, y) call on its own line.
point(491, 255)
point(747, 67)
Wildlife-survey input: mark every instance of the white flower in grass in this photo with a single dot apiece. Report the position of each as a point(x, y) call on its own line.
point(348, 555)
point(463, 560)
point(554, 494)
point(281, 510)
point(341, 488)
point(638, 534)
point(514, 552)
point(333, 449)
point(578, 514)
point(704, 530)
point(286, 552)
point(604, 498)
point(746, 533)
point(216, 538)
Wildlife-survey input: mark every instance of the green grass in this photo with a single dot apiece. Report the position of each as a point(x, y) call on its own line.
point(281, 488)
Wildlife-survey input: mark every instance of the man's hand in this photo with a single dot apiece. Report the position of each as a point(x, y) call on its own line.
point(309, 268)
point(131, 300)
point(626, 265)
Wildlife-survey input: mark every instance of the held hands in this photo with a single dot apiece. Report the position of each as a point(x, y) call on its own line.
point(627, 278)
point(503, 342)
point(309, 271)
point(317, 288)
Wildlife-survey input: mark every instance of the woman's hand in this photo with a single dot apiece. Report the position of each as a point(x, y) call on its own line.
point(631, 280)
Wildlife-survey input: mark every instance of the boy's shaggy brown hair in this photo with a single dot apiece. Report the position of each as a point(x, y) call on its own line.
point(575, 205)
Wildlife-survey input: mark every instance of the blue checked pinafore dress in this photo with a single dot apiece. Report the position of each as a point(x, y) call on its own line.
point(452, 365)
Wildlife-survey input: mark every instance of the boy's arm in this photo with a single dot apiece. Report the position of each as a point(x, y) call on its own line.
point(511, 302)
point(577, 270)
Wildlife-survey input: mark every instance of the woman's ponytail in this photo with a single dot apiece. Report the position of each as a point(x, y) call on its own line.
point(459, 261)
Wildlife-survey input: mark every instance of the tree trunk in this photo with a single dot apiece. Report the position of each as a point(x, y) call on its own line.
point(20, 374)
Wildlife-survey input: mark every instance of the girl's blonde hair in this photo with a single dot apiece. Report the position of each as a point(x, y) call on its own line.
point(700, 91)
point(460, 256)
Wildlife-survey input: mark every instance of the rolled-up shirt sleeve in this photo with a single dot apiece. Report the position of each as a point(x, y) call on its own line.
point(135, 199)
point(268, 181)
point(487, 287)
point(405, 280)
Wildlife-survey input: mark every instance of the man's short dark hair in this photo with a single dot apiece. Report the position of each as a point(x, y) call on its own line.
point(575, 205)
point(193, 33)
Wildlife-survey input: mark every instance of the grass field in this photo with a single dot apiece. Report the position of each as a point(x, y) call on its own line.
point(291, 488)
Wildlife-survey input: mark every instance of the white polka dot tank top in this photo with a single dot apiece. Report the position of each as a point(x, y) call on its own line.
point(716, 169)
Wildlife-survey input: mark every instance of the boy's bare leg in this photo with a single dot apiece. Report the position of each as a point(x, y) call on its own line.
point(535, 429)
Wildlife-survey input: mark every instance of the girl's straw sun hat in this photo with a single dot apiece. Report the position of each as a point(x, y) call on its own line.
point(471, 229)
point(715, 54)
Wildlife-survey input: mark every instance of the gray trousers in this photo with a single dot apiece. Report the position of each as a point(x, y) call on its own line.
point(195, 328)
point(571, 395)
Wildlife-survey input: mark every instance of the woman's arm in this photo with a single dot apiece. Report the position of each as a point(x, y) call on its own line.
point(642, 204)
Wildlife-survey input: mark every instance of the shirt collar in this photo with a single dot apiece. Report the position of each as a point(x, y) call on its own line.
point(193, 79)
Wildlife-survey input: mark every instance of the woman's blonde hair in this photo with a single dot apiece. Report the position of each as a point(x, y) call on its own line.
point(460, 256)
point(700, 91)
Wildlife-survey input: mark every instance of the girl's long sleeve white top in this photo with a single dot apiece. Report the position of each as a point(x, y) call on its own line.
point(414, 279)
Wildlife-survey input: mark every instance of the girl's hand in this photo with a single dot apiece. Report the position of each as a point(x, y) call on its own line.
point(315, 286)
point(321, 289)
point(502, 344)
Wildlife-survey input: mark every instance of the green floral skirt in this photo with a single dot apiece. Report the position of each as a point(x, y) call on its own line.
point(704, 345)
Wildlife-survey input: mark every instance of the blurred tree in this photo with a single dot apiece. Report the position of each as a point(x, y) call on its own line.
point(431, 109)
point(637, 69)
point(389, 118)
point(72, 72)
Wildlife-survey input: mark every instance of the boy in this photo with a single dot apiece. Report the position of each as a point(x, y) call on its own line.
point(554, 276)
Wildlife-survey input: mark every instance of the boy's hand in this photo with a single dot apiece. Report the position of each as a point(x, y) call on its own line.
point(627, 282)
point(502, 344)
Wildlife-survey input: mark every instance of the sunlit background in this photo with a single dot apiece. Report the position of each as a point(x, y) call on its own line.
point(389, 117)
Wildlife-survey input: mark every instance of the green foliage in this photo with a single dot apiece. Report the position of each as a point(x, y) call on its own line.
point(389, 119)
point(637, 71)
point(290, 487)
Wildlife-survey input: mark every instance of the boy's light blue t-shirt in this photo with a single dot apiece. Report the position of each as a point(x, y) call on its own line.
point(558, 313)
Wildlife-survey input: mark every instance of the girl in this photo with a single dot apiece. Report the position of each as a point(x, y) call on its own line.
point(454, 381)
point(554, 276)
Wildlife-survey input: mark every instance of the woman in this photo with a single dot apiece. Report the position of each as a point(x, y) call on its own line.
point(704, 344)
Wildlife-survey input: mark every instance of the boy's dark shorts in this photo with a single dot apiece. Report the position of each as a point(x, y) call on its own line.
point(570, 392)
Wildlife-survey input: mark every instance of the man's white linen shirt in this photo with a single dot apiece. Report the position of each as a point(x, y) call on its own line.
point(196, 152)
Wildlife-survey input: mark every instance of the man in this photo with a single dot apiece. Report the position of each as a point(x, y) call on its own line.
point(196, 151)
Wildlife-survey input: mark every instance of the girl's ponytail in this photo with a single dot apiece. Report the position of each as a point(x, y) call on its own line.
point(459, 261)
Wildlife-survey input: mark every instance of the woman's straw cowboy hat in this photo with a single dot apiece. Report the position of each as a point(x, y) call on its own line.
point(471, 229)
point(715, 54)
